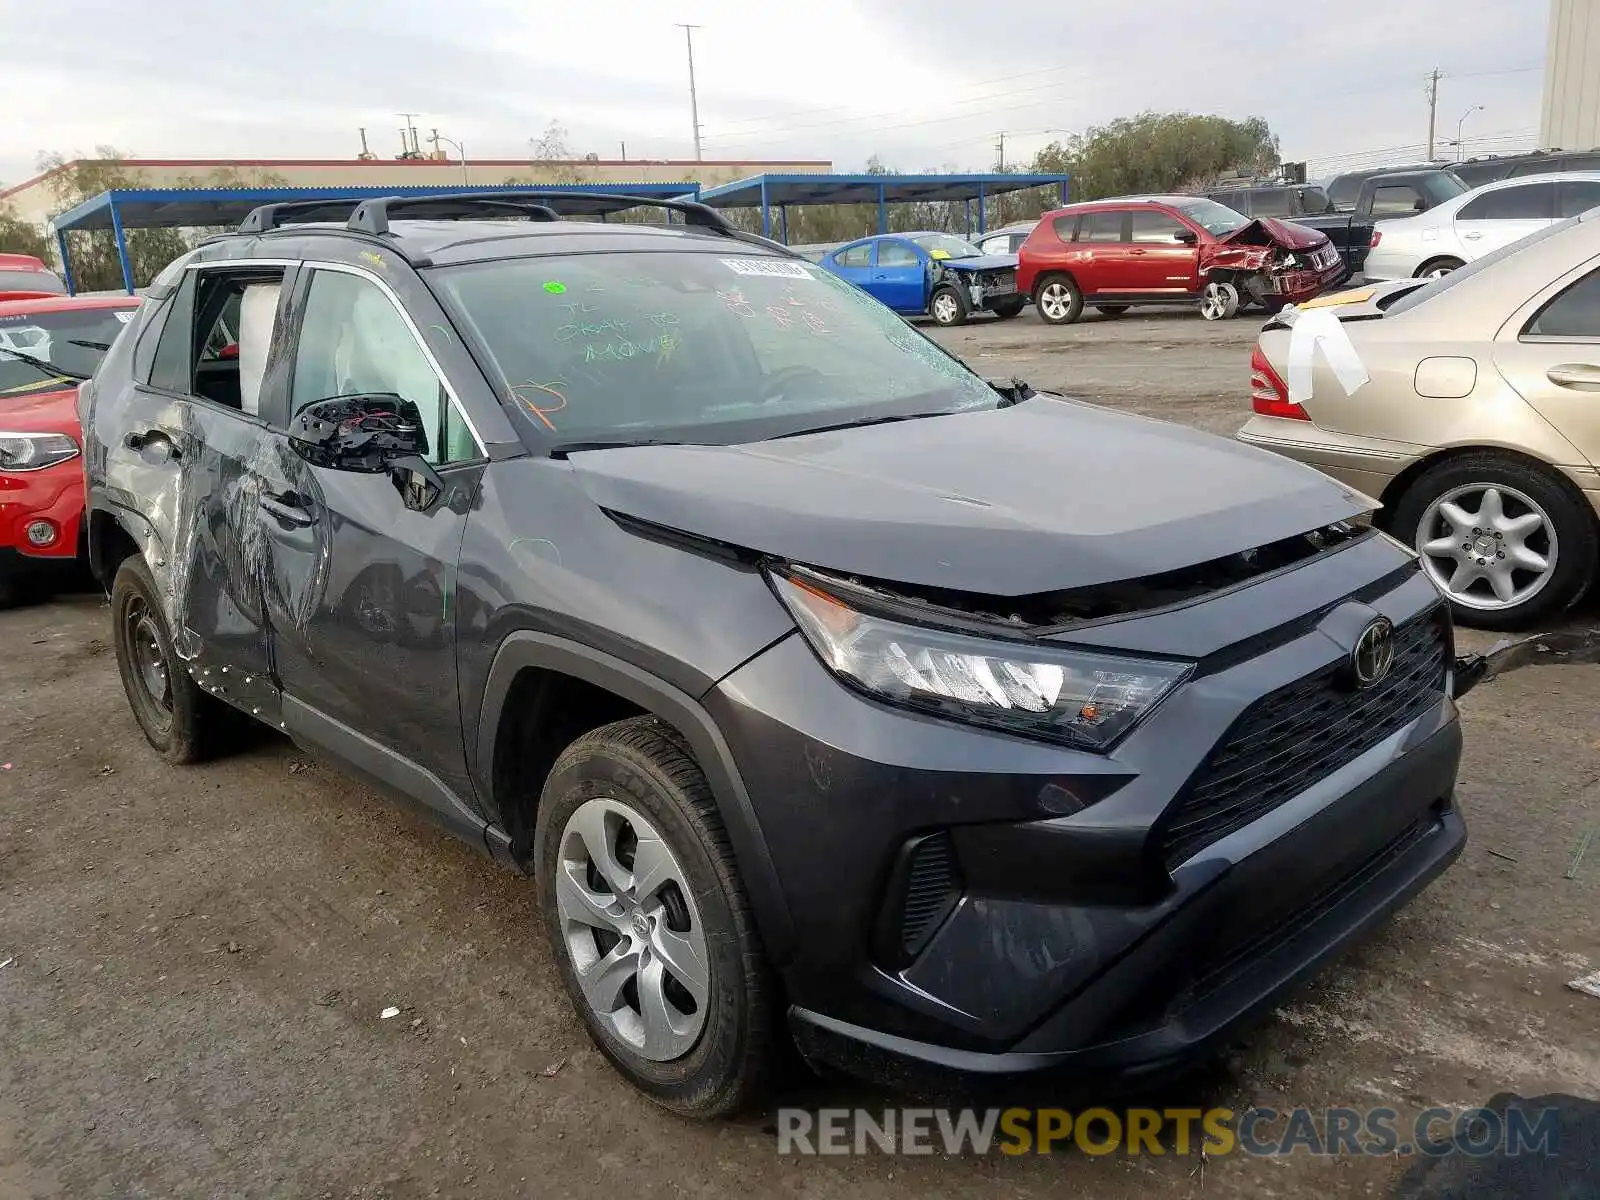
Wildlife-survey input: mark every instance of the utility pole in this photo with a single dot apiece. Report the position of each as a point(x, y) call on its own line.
point(1433, 107)
point(694, 104)
point(1000, 152)
point(624, 146)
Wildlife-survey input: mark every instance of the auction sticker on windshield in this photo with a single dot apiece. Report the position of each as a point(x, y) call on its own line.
point(767, 266)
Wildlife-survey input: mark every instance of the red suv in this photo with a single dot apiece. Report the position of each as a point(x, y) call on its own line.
point(46, 348)
point(1114, 254)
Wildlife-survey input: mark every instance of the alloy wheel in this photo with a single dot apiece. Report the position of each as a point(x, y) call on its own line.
point(1219, 301)
point(1055, 301)
point(1487, 546)
point(1436, 272)
point(631, 927)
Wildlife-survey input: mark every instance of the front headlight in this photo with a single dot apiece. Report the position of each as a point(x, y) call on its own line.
point(34, 451)
point(1084, 698)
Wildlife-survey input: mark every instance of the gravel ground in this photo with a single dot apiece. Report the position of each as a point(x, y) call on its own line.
point(199, 957)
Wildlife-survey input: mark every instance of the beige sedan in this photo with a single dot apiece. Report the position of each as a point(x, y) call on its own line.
point(1469, 405)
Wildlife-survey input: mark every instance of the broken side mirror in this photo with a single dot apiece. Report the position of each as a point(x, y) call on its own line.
point(365, 433)
point(1187, 237)
point(419, 485)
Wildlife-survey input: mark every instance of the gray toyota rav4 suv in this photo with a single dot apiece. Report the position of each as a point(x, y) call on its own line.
point(822, 686)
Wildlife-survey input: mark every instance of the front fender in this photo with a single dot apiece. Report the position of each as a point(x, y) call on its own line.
point(525, 649)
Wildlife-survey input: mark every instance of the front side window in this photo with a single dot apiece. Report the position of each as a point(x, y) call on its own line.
point(1575, 313)
point(714, 348)
point(1523, 202)
point(353, 342)
point(50, 350)
point(896, 254)
point(1156, 227)
point(1216, 219)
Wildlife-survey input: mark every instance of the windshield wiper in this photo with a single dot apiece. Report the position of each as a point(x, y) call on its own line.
point(562, 449)
point(1013, 391)
point(42, 364)
point(856, 424)
point(89, 345)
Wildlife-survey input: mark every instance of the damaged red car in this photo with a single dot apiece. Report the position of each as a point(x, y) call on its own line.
point(1170, 250)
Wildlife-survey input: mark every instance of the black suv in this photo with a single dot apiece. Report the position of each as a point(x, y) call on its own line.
point(818, 682)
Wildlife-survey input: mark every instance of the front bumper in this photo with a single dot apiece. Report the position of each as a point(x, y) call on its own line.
point(54, 494)
point(1068, 932)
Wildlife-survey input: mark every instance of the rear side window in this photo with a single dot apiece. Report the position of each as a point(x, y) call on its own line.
point(170, 370)
point(1064, 227)
point(1577, 196)
point(1100, 227)
point(1269, 202)
point(856, 256)
point(1575, 313)
point(1392, 200)
point(1529, 202)
point(1344, 191)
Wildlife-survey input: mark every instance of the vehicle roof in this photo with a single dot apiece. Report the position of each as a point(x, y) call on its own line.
point(1496, 185)
point(22, 262)
point(23, 308)
point(442, 243)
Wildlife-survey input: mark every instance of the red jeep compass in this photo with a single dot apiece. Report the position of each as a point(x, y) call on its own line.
point(46, 348)
point(1114, 254)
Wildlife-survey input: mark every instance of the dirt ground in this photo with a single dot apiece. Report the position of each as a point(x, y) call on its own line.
point(199, 957)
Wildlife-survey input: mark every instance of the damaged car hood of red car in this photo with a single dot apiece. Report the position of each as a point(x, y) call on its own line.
point(1250, 246)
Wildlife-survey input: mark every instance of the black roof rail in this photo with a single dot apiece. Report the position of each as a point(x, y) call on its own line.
point(272, 216)
point(373, 216)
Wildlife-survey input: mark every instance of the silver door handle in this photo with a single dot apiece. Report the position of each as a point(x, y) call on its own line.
point(1472, 237)
point(1585, 377)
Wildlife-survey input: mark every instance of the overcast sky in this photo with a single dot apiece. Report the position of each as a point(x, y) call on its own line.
point(922, 83)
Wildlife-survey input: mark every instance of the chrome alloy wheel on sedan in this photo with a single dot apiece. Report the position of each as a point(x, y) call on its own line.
point(1487, 546)
point(632, 929)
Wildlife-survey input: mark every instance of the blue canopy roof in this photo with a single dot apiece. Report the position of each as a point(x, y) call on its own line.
point(766, 191)
point(166, 208)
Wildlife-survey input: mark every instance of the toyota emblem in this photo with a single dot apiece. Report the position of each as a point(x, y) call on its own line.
point(1373, 658)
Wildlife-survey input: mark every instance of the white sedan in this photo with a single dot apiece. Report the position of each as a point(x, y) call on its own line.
point(1438, 241)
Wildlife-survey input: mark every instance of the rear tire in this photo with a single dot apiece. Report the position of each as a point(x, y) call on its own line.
point(614, 794)
point(1436, 267)
point(1111, 310)
point(1566, 538)
point(947, 306)
point(1058, 299)
point(181, 721)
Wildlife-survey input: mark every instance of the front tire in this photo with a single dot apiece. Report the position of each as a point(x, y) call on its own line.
point(1503, 539)
point(948, 306)
point(1009, 308)
point(181, 721)
point(648, 921)
point(1058, 300)
point(1219, 301)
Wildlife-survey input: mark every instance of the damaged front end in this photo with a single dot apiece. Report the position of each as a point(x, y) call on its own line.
point(1273, 262)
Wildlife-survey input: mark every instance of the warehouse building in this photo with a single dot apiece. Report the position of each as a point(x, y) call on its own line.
point(1570, 118)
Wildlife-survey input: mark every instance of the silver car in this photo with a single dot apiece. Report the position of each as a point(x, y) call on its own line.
point(1458, 231)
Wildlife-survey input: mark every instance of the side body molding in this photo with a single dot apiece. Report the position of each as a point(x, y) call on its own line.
point(525, 648)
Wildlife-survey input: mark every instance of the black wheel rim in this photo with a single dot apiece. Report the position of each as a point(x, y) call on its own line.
point(147, 660)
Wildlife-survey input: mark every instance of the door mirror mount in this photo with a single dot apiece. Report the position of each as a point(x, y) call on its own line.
point(419, 485)
point(1186, 237)
point(364, 433)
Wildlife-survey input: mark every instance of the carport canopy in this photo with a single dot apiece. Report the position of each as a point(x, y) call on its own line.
point(766, 191)
point(170, 208)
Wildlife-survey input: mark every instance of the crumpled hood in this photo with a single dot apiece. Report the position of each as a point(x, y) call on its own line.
point(987, 262)
point(1269, 231)
point(1042, 496)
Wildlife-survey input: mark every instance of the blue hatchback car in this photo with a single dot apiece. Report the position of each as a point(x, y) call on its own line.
point(935, 274)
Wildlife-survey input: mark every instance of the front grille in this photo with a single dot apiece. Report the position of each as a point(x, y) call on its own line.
point(931, 890)
point(1301, 733)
